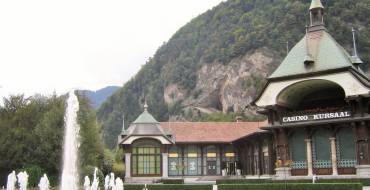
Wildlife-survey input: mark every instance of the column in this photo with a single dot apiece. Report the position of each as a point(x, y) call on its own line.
point(309, 157)
point(165, 165)
point(128, 165)
point(333, 155)
point(362, 149)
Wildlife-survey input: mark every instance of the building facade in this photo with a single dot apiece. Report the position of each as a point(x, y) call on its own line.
point(176, 149)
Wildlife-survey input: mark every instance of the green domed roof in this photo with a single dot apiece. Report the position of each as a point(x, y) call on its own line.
point(145, 118)
point(326, 53)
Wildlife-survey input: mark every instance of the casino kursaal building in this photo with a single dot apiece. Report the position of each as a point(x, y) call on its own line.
point(317, 104)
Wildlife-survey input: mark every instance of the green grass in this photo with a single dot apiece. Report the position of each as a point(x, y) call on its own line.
point(292, 186)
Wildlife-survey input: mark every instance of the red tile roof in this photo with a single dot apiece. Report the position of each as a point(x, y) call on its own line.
point(211, 132)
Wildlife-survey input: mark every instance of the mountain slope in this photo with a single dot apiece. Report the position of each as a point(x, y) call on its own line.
point(218, 61)
point(99, 96)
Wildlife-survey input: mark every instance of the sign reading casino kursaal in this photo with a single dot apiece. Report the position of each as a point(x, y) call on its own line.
point(317, 116)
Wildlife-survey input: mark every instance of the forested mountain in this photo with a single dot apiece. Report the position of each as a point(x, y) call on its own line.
point(218, 61)
point(98, 97)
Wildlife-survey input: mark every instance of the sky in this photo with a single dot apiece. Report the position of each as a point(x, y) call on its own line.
point(51, 46)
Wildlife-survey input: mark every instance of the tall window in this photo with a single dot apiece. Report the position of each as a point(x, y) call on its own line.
point(321, 149)
point(297, 148)
point(346, 148)
point(192, 160)
point(266, 157)
point(146, 158)
point(175, 163)
point(229, 160)
point(211, 162)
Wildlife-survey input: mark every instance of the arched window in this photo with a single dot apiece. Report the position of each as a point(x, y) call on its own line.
point(346, 148)
point(297, 148)
point(146, 157)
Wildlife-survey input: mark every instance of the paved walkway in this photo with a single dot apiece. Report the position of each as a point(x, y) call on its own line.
point(366, 188)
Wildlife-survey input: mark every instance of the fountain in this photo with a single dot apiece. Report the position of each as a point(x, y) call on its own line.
point(111, 181)
point(95, 183)
point(119, 184)
point(87, 183)
point(12, 180)
point(44, 183)
point(71, 143)
point(113, 184)
point(22, 180)
point(106, 182)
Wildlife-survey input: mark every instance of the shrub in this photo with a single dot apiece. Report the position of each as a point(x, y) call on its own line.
point(119, 169)
point(242, 181)
point(292, 186)
point(34, 174)
point(169, 187)
point(172, 181)
point(364, 181)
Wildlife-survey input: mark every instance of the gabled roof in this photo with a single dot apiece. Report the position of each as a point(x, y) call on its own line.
point(325, 51)
point(211, 132)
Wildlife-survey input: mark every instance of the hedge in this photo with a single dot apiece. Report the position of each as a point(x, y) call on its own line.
point(172, 181)
point(364, 182)
point(292, 186)
point(169, 187)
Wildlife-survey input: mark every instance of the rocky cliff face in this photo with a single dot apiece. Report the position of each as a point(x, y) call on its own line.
point(225, 87)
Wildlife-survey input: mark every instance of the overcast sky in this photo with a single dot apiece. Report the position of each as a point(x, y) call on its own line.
point(49, 45)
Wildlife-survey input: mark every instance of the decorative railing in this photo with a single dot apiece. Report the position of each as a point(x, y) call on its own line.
point(299, 165)
point(346, 163)
point(322, 164)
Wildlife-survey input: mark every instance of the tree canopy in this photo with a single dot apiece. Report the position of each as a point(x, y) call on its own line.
point(31, 138)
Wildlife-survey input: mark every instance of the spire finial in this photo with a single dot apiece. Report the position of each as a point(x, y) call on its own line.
point(123, 123)
point(146, 106)
point(355, 59)
point(317, 15)
point(354, 42)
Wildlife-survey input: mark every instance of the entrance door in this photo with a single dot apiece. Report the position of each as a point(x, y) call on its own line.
point(211, 168)
point(231, 168)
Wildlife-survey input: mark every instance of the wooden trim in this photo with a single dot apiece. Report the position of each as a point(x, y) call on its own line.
point(346, 171)
point(299, 172)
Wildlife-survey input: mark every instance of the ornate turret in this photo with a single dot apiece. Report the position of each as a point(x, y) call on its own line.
point(316, 16)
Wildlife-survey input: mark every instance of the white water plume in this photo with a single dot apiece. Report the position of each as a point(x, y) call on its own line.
point(71, 144)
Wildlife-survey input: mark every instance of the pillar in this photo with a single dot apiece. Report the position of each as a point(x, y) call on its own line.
point(333, 155)
point(128, 165)
point(282, 172)
point(165, 165)
point(309, 157)
point(362, 149)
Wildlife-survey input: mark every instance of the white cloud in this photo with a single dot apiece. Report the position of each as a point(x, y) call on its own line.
point(48, 45)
